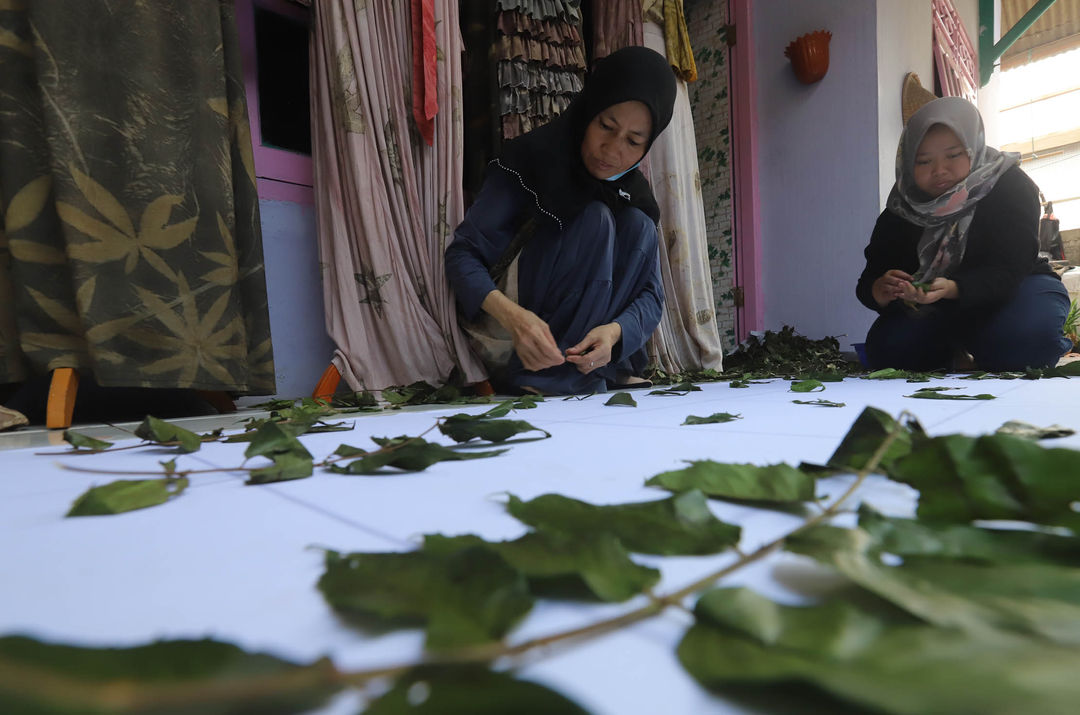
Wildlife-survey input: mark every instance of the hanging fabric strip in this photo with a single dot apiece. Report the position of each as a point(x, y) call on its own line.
point(425, 95)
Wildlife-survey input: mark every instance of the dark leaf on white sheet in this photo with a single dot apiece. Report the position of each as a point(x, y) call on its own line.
point(622, 398)
point(127, 495)
point(867, 434)
point(859, 660)
point(910, 537)
point(682, 524)
point(467, 597)
point(408, 454)
point(575, 565)
point(714, 418)
point(775, 483)
point(996, 476)
point(807, 386)
point(935, 393)
point(154, 430)
point(680, 390)
point(81, 441)
point(1037, 599)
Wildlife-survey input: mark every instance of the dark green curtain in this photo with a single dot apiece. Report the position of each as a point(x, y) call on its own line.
point(130, 245)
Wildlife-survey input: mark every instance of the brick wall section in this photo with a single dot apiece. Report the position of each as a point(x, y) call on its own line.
point(712, 122)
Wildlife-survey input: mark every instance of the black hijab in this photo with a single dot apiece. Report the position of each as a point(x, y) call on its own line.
point(547, 160)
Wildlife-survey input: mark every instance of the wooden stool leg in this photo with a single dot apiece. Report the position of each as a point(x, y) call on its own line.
point(62, 391)
point(219, 400)
point(483, 388)
point(328, 384)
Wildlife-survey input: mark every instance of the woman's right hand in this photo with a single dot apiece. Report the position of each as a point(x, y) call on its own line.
point(890, 286)
point(533, 341)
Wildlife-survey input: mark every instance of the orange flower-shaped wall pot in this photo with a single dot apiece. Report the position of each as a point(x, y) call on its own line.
point(809, 56)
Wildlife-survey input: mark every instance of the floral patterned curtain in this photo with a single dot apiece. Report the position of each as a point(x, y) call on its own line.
point(130, 246)
point(386, 202)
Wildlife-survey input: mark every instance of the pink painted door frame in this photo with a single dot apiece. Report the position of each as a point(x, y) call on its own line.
point(280, 175)
point(744, 147)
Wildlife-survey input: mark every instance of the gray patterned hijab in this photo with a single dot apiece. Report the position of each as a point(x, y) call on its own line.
point(946, 218)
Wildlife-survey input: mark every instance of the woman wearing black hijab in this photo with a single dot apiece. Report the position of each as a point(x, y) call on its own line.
point(568, 196)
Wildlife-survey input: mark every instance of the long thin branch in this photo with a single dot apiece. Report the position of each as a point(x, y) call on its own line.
point(139, 697)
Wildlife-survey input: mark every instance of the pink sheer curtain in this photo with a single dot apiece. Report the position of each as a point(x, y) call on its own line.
point(386, 203)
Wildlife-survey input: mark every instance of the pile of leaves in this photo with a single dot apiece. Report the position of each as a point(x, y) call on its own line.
point(788, 354)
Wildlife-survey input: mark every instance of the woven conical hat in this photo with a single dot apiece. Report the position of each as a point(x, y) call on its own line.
point(913, 96)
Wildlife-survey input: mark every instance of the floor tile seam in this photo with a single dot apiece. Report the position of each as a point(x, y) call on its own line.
point(737, 430)
point(339, 518)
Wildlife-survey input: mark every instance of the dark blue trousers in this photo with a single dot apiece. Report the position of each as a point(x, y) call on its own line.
point(1024, 332)
point(583, 277)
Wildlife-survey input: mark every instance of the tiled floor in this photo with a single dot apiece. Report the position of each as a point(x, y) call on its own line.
point(235, 562)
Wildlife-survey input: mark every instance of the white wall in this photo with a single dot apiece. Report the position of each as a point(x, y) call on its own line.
point(904, 45)
point(302, 349)
point(817, 166)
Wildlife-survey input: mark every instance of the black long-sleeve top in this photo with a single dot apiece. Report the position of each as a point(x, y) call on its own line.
point(1002, 246)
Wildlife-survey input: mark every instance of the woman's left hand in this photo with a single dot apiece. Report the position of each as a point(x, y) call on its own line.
point(940, 288)
point(594, 351)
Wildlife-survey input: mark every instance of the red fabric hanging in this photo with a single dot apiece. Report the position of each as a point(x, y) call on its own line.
point(425, 91)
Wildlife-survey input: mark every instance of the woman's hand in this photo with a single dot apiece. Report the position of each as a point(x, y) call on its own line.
point(532, 337)
point(938, 289)
point(594, 351)
point(891, 286)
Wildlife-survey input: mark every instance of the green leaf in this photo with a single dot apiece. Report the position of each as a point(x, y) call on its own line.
point(785, 353)
point(462, 428)
point(892, 373)
point(127, 495)
point(1018, 428)
point(81, 441)
point(464, 598)
point(578, 563)
point(682, 524)
point(997, 476)
point(680, 390)
point(1033, 598)
point(469, 690)
point(714, 418)
point(418, 393)
point(528, 402)
point(154, 430)
point(745, 482)
point(212, 677)
point(866, 434)
point(273, 439)
point(873, 662)
point(621, 398)
point(409, 454)
point(807, 386)
point(934, 393)
point(820, 403)
point(910, 537)
point(286, 467)
point(362, 401)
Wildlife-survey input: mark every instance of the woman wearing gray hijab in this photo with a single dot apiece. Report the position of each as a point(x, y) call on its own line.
point(953, 265)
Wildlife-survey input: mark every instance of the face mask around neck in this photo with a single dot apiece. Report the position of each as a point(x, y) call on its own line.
point(619, 176)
